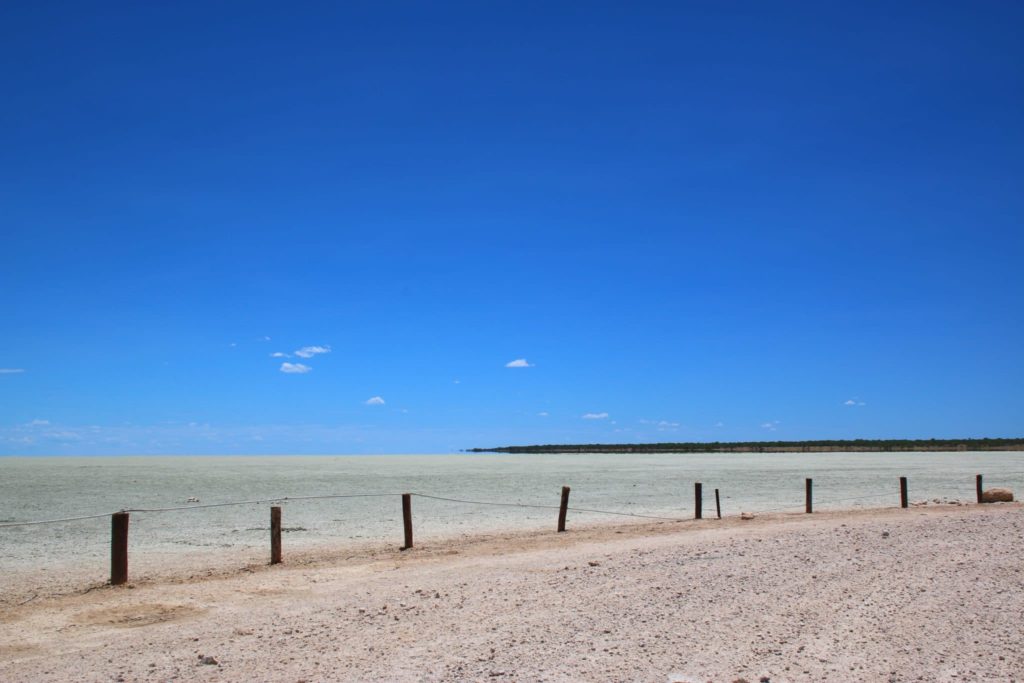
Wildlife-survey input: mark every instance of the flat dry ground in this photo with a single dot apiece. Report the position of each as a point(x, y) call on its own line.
point(926, 594)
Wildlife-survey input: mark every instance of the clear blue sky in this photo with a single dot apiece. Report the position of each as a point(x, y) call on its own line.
point(708, 220)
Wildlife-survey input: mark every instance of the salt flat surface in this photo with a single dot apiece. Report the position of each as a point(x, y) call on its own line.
point(658, 484)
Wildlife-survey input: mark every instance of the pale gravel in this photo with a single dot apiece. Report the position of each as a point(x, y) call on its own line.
point(926, 594)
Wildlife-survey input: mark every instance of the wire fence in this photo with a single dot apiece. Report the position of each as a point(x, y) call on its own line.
point(955, 485)
point(661, 502)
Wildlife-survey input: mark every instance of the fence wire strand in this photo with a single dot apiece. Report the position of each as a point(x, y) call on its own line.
point(284, 499)
point(545, 507)
point(482, 502)
point(54, 521)
point(280, 499)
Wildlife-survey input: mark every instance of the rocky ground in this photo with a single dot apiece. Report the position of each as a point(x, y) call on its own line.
point(928, 594)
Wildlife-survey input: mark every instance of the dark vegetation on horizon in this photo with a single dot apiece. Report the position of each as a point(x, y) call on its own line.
point(827, 445)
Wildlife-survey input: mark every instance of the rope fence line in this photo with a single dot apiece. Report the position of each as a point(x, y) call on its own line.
point(285, 499)
point(547, 507)
point(280, 499)
point(199, 506)
point(483, 502)
point(628, 514)
point(120, 520)
point(54, 521)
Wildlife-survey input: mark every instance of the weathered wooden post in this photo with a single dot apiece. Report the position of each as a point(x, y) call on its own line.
point(698, 501)
point(407, 519)
point(275, 535)
point(718, 505)
point(563, 508)
point(118, 548)
point(977, 484)
point(808, 496)
point(903, 492)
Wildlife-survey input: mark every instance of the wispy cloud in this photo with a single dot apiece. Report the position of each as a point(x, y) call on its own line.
point(519, 363)
point(662, 425)
point(310, 351)
point(542, 413)
point(11, 371)
point(38, 423)
point(853, 402)
point(375, 401)
point(295, 368)
point(770, 426)
point(280, 354)
point(719, 424)
point(595, 416)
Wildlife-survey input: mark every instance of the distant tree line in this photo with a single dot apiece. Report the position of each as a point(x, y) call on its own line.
point(825, 445)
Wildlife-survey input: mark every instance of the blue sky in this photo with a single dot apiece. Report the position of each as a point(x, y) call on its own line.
point(690, 221)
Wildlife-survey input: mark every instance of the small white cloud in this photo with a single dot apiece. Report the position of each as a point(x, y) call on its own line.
point(310, 351)
point(266, 338)
point(854, 402)
point(770, 426)
point(11, 371)
point(233, 344)
point(595, 416)
point(295, 368)
point(719, 424)
point(38, 423)
point(280, 354)
point(64, 435)
point(519, 363)
point(662, 425)
point(542, 413)
point(456, 381)
point(375, 401)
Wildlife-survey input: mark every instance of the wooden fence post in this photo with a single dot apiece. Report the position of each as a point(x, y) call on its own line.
point(275, 535)
point(977, 484)
point(903, 492)
point(563, 508)
point(118, 548)
point(718, 504)
point(407, 519)
point(808, 495)
point(698, 501)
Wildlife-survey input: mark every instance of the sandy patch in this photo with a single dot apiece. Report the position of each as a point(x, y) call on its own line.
point(889, 595)
point(134, 616)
